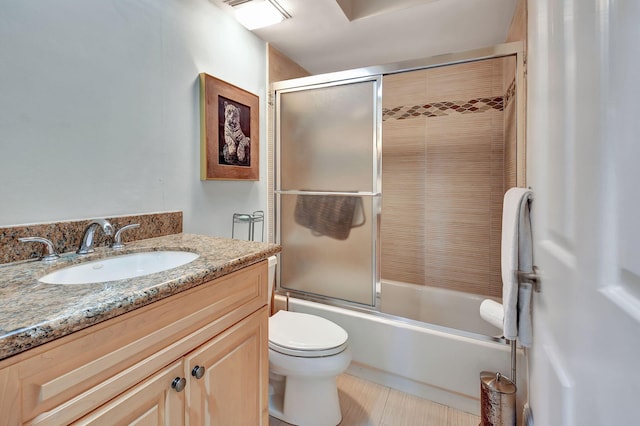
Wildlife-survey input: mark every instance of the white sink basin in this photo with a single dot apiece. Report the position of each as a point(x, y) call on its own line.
point(120, 267)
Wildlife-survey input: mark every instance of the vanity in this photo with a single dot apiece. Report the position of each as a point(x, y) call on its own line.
point(184, 346)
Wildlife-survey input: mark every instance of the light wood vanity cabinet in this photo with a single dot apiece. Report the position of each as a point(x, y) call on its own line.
point(152, 402)
point(121, 371)
point(232, 365)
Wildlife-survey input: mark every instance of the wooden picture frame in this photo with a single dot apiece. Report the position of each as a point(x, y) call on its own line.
point(229, 131)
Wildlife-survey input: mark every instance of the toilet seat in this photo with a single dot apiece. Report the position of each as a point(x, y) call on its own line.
point(304, 335)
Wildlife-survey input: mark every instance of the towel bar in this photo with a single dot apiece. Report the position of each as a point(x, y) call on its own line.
point(531, 278)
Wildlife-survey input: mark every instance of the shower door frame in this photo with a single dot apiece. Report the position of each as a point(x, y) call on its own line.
point(376, 184)
point(322, 80)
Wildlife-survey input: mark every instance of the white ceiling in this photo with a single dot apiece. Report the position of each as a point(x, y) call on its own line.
point(321, 38)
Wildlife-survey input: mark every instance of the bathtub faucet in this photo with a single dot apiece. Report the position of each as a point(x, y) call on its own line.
point(86, 246)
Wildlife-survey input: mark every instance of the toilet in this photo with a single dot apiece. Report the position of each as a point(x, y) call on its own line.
point(306, 354)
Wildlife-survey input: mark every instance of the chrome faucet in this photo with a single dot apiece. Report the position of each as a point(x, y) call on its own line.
point(86, 246)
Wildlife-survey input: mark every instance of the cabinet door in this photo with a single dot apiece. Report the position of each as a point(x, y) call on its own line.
point(152, 402)
point(233, 387)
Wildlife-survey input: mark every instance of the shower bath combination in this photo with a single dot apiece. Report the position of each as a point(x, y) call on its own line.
point(388, 200)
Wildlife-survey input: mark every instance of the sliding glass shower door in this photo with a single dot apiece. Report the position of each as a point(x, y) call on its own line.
point(328, 188)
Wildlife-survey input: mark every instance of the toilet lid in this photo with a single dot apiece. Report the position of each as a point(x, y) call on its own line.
point(298, 334)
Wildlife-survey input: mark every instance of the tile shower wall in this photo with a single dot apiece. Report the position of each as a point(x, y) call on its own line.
point(445, 171)
point(510, 114)
point(66, 235)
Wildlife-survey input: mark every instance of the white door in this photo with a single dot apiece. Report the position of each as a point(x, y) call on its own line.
point(584, 168)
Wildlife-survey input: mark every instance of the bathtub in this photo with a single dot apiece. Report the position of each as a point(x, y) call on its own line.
point(427, 360)
point(433, 305)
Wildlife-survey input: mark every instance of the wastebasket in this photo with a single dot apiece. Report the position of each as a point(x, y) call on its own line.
point(497, 400)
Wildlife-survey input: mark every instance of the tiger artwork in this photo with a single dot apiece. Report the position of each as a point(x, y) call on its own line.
point(237, 146)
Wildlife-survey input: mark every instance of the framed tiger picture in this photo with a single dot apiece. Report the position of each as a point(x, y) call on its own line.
point(229, 131)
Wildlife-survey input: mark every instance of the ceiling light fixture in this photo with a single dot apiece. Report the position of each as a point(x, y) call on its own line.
point(254, 14)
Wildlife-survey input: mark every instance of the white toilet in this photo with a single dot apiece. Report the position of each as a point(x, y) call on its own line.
point(306, 354)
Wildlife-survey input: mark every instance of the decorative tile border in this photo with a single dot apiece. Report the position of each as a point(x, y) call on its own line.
point(66, 236)
point(510, 94)
point(439, 109)
point(443, 108)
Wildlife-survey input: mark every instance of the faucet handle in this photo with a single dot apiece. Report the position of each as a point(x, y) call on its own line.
point(117, 239)
point(51, 251)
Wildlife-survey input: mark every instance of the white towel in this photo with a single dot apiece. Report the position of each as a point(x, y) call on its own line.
point(517, 254)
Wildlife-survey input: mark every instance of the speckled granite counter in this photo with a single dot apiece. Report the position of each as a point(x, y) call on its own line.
point(33, 313)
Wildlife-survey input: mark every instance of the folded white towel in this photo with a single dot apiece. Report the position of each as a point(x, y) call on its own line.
point(517, 254)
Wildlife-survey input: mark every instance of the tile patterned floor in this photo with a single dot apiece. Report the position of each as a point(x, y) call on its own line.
point(368, 404)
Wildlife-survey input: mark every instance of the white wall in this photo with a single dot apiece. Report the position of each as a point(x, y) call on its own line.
point(99, 109)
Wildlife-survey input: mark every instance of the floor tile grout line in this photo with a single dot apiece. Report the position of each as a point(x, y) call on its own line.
point(384, 407)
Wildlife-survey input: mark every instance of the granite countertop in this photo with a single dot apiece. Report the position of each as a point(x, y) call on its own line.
point(33, 313)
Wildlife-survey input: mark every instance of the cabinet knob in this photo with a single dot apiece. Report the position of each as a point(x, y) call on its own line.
point(179, 384)
point(197, 372)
